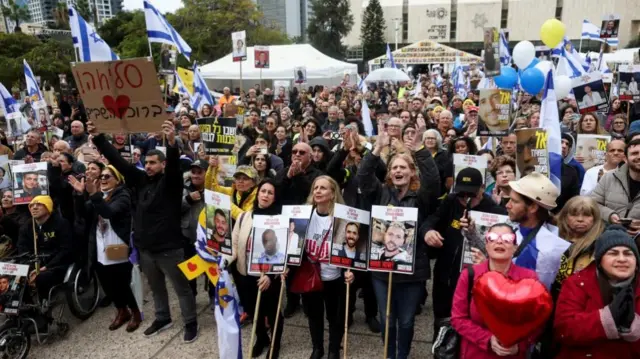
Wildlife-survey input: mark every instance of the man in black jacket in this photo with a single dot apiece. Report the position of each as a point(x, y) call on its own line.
point(442, 233)
point(157, 234)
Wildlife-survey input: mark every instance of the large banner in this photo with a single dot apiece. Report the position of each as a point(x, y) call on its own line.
point(121, 95)
point(218, 135)
point(532, 154)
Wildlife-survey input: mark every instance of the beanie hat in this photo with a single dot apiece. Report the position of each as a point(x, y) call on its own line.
point(614, 236)
point(43, 200)
point(634, 127)
point(119, 175)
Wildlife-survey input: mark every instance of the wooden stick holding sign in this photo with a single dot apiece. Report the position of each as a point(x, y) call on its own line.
point(255, 319)
point(346, 318)
point(35, 245)
point(387, 315)
point(275, 325)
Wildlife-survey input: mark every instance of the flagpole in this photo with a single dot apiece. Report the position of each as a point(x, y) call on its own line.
point(150, 52)
point(580, 46)
point(240, 93)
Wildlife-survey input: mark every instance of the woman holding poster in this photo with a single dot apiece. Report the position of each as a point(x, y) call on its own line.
point(330, 295)
point(243, 191)
point(266, 203)
point(404, 186)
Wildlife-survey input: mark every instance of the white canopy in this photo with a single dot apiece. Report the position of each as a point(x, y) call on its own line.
point(321, 69)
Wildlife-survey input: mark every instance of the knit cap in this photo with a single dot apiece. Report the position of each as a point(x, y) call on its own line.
point(614, 236)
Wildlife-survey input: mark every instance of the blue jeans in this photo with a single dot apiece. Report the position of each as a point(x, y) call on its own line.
point(404, 301)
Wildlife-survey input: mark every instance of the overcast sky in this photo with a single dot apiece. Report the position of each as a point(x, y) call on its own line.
point(162, 5)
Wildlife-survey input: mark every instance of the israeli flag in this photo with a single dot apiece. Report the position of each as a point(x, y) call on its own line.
point(85, 38)
point(366, 113)
point(602, 65)
point(201, 94)
point(390, 58)
point(33, 90)
point(570, 62)
point(159, 30)
point(11, 109)
point(592, 32)
point(505, 56)
point(459, 85)
point(550, 121)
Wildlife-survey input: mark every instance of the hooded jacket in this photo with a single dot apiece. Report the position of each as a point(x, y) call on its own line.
point(190, 212)
point(324, 147)
point(54, 239)
point(570, 160)
point(612, 195)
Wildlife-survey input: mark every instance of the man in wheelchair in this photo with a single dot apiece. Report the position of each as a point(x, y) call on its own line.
point(54, 241)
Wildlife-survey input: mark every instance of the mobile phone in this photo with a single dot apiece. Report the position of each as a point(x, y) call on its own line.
point(468, 206)
point(263, 151)
point(626, 221)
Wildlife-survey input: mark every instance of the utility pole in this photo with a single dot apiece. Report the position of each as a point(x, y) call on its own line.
point(395, 21)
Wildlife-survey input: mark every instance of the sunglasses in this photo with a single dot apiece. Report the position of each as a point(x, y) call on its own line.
point(299, 152)
point(105, 177)
point(505, 237)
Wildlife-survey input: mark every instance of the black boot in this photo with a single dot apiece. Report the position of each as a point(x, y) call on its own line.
point(334, 355)
point(317, 353)
point(258, 348)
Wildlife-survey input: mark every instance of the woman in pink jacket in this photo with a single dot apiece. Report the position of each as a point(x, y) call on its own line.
point(476, 341)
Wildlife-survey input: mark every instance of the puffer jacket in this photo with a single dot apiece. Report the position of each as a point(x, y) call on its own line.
point(425, 199)
point(613, 196)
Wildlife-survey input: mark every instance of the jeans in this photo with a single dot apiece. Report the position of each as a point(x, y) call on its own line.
point(157, 266)
point(331, 298)
point(404, 301)
point(116, 280)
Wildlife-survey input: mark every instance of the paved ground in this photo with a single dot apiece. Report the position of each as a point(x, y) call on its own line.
point(91, 339)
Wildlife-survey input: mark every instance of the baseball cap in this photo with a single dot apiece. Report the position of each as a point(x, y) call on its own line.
point(472, 108)
point(200, 164)
point(469, 180)
point(247, 171)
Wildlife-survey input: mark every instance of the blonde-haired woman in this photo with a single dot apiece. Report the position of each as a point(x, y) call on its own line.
point(579, 222)
point(325, 193)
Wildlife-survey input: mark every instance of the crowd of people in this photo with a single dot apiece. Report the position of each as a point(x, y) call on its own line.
point(309, 146)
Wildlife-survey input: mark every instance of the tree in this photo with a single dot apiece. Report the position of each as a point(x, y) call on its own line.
point(61, 17)
point(84, 10)
point(372, 31)
point(16, 13)
point(332, 20)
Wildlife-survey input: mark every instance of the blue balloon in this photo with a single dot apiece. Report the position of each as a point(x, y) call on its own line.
point(507, 79)
point(532, 81)
point(531, 65)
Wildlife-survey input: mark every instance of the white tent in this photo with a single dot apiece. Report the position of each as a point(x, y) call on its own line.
point(321, 69)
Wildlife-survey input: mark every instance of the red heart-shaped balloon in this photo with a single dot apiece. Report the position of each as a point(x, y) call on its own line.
point(511, 309)
point(118, 106)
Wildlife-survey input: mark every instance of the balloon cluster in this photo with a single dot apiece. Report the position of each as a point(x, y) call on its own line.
point(531, 70)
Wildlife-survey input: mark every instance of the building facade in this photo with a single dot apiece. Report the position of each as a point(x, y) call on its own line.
point(104, 9)
point(459, 23)
point(290, 16)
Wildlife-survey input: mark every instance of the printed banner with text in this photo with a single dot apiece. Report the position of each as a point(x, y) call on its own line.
point(218, 135)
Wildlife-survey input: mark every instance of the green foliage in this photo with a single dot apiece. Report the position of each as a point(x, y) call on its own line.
point(372, 31)
point(15, 13)
point(61, 17)
point(332, 20)
point(84, 10)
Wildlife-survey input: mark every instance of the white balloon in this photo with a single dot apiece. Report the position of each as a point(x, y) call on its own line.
point(562, 86)
point(523, 54)
point(545, 67)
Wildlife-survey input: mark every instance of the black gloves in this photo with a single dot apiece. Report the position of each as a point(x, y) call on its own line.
point(623, 308)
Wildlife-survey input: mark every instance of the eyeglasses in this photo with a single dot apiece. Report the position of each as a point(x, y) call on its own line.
point(505, 237)
point(105, 177)
point(430, 139)
point(500, 173)
point(299, 152)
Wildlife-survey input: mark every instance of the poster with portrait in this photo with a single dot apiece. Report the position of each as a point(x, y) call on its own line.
point(52, 135)
point(5, 173)
point(281, 88)
point(268, 247)
point(13, 280)
point(261, 56)
point(532, 154)
point(610, 26)
point(628, 79)
point(218, 135)
point(591, 150)
point(461, 161)
point(590, 93)
point(300, 74)
point(393, 239)
point(494, 112)
point(349, 78)
point(491, 51)
point(218, 210)
point(29, 180)
point(168, 57)
point(239, 46)
point(122, 142)
point(483, 221)
point(299, 217)
point(349, 245)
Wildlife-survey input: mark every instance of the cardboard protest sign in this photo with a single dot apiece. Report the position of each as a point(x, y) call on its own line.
point(494, 112)
point(299, 217)
point(610, 26)
point(239, 45)
point(628, 78)
point(532, 154)
point(261, 57)
point(121, 95)
point(590, 92)
point(349, 245)
point(393, 238)
point(267, 252)
point(218, 209)
point(218, 134)
point(491, 52)
point(591, 150)
point(463, 161)
point(29, 180)
point(13, 280)
point(483, 221)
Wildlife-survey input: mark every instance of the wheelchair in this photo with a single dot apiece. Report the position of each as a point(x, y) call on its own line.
point(33, 316)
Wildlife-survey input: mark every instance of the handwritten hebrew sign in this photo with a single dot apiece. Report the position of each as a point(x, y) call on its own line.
point(121, 95)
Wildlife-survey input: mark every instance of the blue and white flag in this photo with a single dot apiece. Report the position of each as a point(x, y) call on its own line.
point(505, 56)
point(159, 30)
point(90, 45)
point(201, 94)
point(550, 121)
point(33, 89)
point(602, 65)
point(390, 61)
point(592, 32)
point(17, 124)
point(573, 65)
point(365, 112)
point(459, 85)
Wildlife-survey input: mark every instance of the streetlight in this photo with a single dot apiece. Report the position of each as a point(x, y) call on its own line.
point(395, 21)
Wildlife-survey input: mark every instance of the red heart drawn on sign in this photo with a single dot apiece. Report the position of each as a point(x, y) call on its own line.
point(192, 267)
point(118, 106)
point(213, 271)
point(512, 310)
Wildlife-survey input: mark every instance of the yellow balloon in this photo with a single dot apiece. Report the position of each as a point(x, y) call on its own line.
point(552, 32)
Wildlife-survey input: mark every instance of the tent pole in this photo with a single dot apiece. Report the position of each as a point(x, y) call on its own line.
point(240, 93)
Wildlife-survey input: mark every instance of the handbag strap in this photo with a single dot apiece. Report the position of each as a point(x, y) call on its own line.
point(471, 274)
point(525, 242)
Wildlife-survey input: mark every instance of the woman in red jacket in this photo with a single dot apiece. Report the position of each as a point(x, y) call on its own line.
point(596, 314)
point(477, 342)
